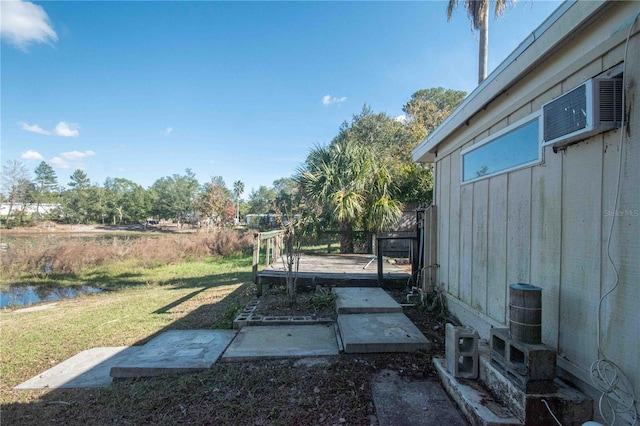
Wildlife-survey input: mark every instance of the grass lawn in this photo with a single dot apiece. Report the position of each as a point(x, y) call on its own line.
point(139, 303)
point(136, 305)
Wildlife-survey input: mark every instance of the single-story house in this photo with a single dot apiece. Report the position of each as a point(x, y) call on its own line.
point(537, 180)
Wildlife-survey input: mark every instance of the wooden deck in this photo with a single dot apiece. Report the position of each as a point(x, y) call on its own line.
point(344, 270)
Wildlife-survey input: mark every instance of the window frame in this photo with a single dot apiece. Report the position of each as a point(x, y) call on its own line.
point(510, 128)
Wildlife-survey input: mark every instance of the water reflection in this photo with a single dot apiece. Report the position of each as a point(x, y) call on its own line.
point(24, 296)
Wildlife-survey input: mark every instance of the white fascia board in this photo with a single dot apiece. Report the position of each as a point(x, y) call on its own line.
point(520, 62)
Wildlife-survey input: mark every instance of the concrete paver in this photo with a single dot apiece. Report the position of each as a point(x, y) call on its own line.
point(358, 300)
point(386, 332)
point(403, 402)
point(175, 351)
point(281, 341)
point(88, 369)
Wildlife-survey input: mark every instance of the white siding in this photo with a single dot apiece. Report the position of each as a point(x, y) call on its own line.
point(497, 249)
point(479, 246)
point(546, 216)
point(549, 224)
point(580, 271)
point(442, 201)
point(454, 224)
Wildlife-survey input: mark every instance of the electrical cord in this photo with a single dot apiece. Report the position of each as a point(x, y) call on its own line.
point(551, 412)
point(608, 378)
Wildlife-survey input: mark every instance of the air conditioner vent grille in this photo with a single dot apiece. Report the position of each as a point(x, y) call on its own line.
point(610, 100)
point(566, 114)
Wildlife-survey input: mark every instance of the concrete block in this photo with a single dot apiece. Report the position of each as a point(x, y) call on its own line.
point(477, 404)
point(461, 351)
point(570, 406)
point(531, 366)
point(241, 321)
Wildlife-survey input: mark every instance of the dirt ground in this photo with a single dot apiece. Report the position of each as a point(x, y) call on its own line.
point(336, 391)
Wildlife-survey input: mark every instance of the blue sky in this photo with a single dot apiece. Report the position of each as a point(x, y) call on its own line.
point(242, 90)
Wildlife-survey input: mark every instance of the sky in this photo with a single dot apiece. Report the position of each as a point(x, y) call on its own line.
point(243, 90)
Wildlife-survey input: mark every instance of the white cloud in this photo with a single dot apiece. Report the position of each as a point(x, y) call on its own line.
point(59, 163)
point(34, 128)
point(68, 130)
point(168, 130)
point(402, 118)
point(31, 155)
point(23, 23)
point(328, 100)
point(77, 155)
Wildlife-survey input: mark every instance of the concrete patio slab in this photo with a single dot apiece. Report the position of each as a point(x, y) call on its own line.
point(387, 332)
point(403, 402)
point(360, 300)
point(88, 369)
point(282, 341)
point(175, 351)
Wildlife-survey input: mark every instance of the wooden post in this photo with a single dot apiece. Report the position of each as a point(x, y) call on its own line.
point(268, 254)
point(256, 258)
point(276, 247)
point(430, 249)
point(379, 256)
point(414, 255)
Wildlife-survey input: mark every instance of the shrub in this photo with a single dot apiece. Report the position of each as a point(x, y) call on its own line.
point(69, 256)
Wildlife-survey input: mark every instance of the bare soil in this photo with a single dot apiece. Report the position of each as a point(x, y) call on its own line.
point(283, 392)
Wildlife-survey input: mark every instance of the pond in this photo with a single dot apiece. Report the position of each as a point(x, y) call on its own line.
point(18, 243)
point(24, 296)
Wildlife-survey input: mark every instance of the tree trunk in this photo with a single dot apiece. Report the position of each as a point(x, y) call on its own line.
point(483, 48)
point(346, 238)
point(11, 203)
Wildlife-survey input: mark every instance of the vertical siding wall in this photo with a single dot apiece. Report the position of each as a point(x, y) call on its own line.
point(549, 224)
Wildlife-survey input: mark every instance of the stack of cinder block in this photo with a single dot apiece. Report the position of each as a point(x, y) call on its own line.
point(518, 350)
point(461, 351)
point(531, 366)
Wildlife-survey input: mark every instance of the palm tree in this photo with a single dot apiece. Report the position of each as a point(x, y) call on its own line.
point(478, 11)
point(238, 189)
point(353, 186)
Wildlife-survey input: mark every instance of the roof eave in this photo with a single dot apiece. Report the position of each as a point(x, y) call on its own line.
point(487, 90)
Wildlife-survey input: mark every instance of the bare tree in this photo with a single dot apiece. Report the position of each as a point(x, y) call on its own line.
point(291, 220)
point(14, 177)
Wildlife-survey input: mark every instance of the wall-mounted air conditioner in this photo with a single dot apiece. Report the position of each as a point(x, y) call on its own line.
point(593, 107)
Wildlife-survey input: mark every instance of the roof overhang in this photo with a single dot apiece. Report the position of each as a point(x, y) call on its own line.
point(547, 38)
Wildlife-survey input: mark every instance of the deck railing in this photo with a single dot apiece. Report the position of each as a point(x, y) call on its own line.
point(273, 242)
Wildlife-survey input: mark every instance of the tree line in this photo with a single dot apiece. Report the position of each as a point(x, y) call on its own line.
point(359, 181)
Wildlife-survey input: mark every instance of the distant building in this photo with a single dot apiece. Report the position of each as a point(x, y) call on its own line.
point(28, 209)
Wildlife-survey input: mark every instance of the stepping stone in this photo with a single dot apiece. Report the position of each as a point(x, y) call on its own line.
point(175, 351)
point(360, 300)
point(388, 332)
point(401, 401)
point(88, 369)
point(282, 341)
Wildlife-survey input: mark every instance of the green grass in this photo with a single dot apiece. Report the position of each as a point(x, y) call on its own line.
point(130, 273)
point(323, 299)
point(136, 305)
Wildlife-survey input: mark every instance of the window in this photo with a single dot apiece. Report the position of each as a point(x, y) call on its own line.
point(516, 146)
